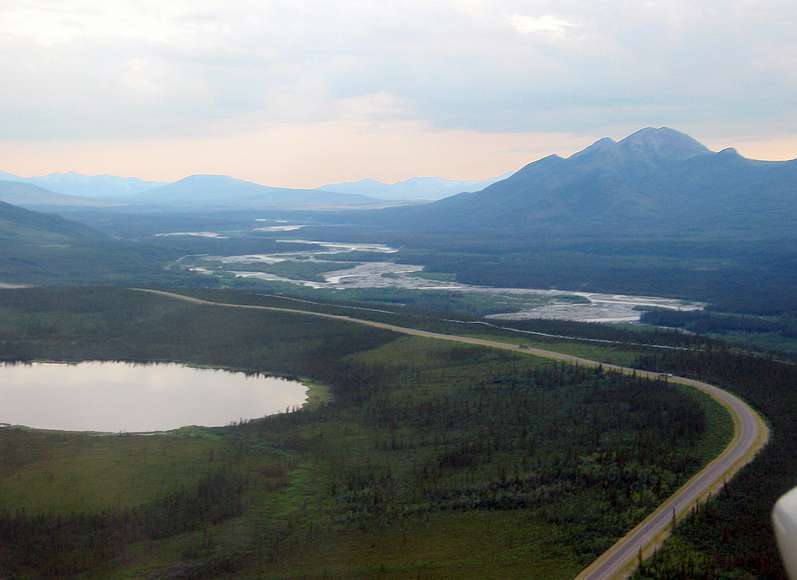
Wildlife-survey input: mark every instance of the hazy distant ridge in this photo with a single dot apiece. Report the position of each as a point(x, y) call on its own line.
point(30, 195)
point(412, 189)
point(195, 191)
point(99, 186)
point(221, 191)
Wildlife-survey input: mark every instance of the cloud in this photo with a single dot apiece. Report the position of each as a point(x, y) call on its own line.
point(373, 107)
point(89, 70)
point(547, 24)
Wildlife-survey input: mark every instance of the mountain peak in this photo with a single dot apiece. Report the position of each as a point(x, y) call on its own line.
point(662, 143)
point(648, 145)
point(371, 181)
point(205, 177)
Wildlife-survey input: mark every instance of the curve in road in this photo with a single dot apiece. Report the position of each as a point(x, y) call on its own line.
point(750, 436)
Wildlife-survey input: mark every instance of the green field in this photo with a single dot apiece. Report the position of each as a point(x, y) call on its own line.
point(58, 473)
point(420, 459)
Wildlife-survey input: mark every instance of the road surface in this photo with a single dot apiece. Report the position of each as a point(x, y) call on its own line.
point(750, 436)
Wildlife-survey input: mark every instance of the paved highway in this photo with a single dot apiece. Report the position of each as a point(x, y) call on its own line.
point(751, 434)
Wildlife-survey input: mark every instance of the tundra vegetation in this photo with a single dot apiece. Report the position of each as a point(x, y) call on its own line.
point(429, 459)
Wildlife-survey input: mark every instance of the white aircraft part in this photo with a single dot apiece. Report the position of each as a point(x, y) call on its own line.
point(784, 519)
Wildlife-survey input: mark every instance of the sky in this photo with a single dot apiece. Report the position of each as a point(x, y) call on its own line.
point(302, 93)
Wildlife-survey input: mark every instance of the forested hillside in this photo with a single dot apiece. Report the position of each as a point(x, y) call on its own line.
point(41, 248)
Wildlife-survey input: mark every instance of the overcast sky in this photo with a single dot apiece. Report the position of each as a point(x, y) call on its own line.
point(303, 93)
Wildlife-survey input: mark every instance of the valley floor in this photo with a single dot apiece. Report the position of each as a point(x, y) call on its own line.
point(431, 457)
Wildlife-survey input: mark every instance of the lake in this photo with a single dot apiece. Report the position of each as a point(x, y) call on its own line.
point(114, 396)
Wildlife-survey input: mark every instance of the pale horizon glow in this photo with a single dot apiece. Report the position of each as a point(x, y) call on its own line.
point(295, 95)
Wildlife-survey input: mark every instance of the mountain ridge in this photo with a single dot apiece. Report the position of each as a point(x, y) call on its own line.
point(35, 228)
point(420, 188)
point(223, 191)
point(91, 186)
point(25, 194)
point(654, 178)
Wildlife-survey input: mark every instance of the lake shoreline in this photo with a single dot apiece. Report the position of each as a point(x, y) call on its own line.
point(314, 395)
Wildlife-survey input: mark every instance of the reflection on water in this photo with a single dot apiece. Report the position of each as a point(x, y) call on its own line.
point(193, 235)
point(278, 228)
point(109, 396)
point(342, 247)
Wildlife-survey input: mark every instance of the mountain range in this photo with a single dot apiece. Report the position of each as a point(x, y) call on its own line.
point(29, 195)
point(193, 192)
point(217, 192)
point(94, 186)
point(654, 213)
point(412, 189)
point(658, 181)
point(224, 192)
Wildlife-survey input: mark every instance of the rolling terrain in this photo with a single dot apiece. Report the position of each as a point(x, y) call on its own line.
point(637, 215)
point(423, 443)
point(43, 248)
point(221, 191)
point(28, 195)
point(455, 290)
point(30, 228)
point(656, 213)
point(101, 186)
point(751, 435)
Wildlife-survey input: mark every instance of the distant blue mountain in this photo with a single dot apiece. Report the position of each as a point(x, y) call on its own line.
point(221, 191)
point(102, 186)
point(412, 189)
point(195, 191)
point(97, 186)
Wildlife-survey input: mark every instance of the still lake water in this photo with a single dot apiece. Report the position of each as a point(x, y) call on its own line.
point(113, 397)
